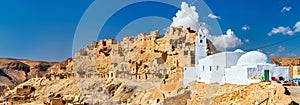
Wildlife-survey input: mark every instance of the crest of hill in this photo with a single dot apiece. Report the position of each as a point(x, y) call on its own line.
point(147, 69)
point(16, 71)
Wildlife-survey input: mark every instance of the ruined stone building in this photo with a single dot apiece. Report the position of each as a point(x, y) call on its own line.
point(144, 57)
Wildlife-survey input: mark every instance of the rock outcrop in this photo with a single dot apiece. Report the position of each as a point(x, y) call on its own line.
point(145, 58)
point(141, 70)
point(16, 71)
point(272, 93)
point(123, 91)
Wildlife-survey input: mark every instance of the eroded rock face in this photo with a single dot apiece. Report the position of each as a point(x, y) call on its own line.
point(237, 94)
point(142, 70)
point(14, 71)
point(180, 99)
point(141, 55)
point(146, 57)
point(286, 61)
point(123, 91)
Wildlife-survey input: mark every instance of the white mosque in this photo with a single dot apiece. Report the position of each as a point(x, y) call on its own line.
point(237, 67)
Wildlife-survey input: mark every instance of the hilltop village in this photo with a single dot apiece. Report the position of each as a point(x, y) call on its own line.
point(152, 69)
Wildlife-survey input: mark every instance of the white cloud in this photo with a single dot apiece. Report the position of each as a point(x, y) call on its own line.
point(273, 55)
point(286, 9)
point(228, 40)
point(282, 30)
point(291, 55)
point(297, 27)
point(285, 30)
point(203, 29)
point(247, 41)
point(245, 27)
point(279, 51)
point(186, 17)
point(213, 16)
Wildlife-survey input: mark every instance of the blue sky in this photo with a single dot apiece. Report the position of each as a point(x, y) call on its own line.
point(39, 30)
point(261, 16)
point(44, 30)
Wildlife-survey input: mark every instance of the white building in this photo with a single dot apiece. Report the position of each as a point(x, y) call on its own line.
point(236, 67)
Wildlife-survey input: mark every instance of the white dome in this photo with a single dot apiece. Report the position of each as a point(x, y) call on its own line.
point(252, 58)
point(238, 50)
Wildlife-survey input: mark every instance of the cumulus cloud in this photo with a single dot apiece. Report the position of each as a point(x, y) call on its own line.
point(281, 48)
point(282, 30)
point(213, 16)
point(279, 51)
point(228, 40)
point(186, 17)
point(285, 30)
point(247, 41)
point(245, 27)
point(291, 55)
point(286, 9)
point(297, 27)
point(203, 29)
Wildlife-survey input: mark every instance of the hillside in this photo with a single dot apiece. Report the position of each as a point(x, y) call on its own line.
point(16, 71)
point(146, 69)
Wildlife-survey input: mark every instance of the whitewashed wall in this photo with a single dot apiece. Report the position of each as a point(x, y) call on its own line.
point(222, 68)
point(190, 74)
point(214, 66)
point(254, 72)
point(212, 76)
point(236, 75)
point(225, 59)
point(281, 71)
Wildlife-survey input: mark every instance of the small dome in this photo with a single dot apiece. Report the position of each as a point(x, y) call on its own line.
point(252, 58)
point(238, 50)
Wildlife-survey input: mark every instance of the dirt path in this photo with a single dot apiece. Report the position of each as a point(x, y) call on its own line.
point(295, 93)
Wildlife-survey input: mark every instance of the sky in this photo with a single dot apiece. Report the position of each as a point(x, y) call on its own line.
point(253, 20)
point(44, 30)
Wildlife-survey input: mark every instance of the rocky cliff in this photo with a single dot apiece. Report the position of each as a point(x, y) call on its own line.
point(138, 70)
point(116, 91)
point(286, 61)
point(143, 56)
point(145, 70)
point(146, 57)
point(16, 71)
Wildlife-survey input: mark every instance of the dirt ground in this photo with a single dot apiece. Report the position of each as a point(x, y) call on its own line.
point(295, 93)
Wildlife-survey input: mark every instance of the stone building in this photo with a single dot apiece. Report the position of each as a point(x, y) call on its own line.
point(144, 57)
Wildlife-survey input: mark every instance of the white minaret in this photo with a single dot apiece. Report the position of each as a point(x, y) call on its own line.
point(200, 49)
